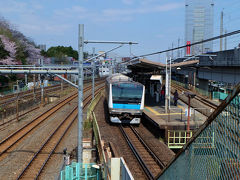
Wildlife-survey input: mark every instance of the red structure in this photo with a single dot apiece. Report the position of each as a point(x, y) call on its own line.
point(188, 48)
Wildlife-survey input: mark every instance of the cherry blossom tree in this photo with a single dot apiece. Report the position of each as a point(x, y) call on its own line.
point(10, 47)
point(20, 48)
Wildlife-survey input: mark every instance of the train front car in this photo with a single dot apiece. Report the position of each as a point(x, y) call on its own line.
point(126, 100)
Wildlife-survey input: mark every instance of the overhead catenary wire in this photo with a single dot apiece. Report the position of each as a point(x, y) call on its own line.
point(199, 42)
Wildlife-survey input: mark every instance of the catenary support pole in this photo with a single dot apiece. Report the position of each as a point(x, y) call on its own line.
point(80, 89)
point(34, 85)
point(93, 75)
point(26, 79)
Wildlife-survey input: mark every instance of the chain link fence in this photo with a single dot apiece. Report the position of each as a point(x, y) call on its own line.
point(214, 151)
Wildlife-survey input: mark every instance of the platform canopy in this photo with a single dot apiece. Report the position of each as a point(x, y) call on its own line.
point(147, 66)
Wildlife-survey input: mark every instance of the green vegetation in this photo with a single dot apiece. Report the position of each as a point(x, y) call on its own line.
point(61, 52)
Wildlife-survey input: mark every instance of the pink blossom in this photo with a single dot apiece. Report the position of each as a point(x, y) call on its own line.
point(9, 46)
point(8, 61)
point(33, 53)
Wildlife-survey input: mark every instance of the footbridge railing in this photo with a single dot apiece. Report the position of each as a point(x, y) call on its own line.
point(214, 150)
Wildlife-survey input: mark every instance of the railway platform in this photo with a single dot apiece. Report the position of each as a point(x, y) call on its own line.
point(175, 118)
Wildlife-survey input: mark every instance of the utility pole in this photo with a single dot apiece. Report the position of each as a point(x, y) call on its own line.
point(93, 74)
point(225, 46)
point(221, 30)
point(193, 41)
point(114, 65)
point(39, 75)
point(111, 67)
point(172, 50)
point(80, 89)
point(26, 79)
point(17, 107)
point(34, 85)
point(178, 52)
point(42, 85)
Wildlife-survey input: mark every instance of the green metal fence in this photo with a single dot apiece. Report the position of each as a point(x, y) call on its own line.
point(219, 95)
point(214, 150)
point(178, 138)
point(77, 171)
point(203, 92)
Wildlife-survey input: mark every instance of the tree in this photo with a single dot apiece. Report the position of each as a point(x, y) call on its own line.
point(15, 48)
point(61, 51)
point(9, 51)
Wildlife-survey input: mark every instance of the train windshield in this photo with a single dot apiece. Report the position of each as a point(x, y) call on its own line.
point(127, 93)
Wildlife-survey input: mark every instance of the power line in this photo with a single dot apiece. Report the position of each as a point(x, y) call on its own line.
point(199, 42)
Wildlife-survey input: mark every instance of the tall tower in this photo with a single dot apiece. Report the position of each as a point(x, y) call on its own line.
point(199, 25)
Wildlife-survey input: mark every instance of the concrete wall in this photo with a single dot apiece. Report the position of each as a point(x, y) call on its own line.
point(224, 74)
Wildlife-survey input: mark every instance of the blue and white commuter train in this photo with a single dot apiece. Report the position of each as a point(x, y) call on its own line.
point(125, 99)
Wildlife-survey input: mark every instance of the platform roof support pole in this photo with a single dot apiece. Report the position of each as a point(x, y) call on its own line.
point(80, 89)
point(169, 82)
point(166, 88)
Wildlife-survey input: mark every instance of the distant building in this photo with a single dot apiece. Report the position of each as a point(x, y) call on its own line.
point(199, 25)
point(42, 47)
point(105, 67)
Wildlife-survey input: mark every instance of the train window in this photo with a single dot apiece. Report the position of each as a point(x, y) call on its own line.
point(127, 92)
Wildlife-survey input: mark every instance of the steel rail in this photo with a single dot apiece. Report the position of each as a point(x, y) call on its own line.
point(44, 164)
point(45, 143)
point(33, 108)
point(38, 89)
point(29, 93)
point(12, 97)
point(157, 160)
point(86, 101)
point(147, 172)
point(57, 107)
point(197, 97)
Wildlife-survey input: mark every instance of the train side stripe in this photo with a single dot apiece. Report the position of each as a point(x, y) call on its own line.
point(126, 106)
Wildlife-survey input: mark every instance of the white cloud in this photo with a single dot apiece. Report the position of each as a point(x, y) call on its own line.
point(75, 11)
point(60, 20)
point(12, 7)
point(128, 2)
point(146, 2)
point(142, 10)
point(110, 15)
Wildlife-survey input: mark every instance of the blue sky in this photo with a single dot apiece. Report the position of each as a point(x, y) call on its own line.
point(154, 24)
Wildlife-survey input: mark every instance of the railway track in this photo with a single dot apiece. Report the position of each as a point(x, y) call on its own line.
point(29, 93)
point(22, 114)
point(197, 97)
point(15, 137)
point(37, 90)
point(39, 160)
point(11, 98)
point(147, 159)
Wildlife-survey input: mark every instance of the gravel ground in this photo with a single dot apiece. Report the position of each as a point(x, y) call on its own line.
point(111, 133)
point(24, 150)
point(54, 165)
